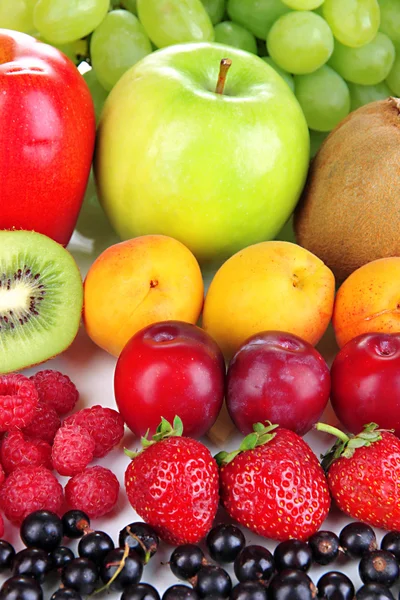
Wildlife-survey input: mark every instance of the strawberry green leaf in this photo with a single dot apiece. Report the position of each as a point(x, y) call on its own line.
point(261, 435)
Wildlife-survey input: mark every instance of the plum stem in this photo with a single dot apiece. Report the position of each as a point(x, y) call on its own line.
point(224, 67)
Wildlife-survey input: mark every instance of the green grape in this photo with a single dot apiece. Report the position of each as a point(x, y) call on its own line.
point(257, 16)
point(98, 93)
point(364, 94)
point(324, 98)
point(235, 35)
point(300, 42)
point(130, 5)
point(284, 74)
point(367, 65)
point(286, 234)
point(77, 51)
point(169, 22)
point(117, 44)
point(17, 15)
point(390, 19)
point(393, 79)
point(64, 21)
point(316, 139)
point(215, 9)
point(353, 22)
point(303, 4)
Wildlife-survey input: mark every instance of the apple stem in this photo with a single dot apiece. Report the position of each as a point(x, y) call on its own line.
point(333, 431)
point(224, 66)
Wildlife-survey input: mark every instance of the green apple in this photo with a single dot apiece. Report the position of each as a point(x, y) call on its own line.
point(217, 171)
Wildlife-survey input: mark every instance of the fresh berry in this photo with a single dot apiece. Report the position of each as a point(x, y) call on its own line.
point(186, 561)
point(94, 491)
point(32, 562)
point(212, 580)
point(379, 566)
point(173, 485)
point(45, 423)
point(73, 449)
point(254, 563)
point(61, 556)
point(18, 450)
point(391, 543)
point(293, 554)
point(56, 389)
point(335, 586)
point(374, 591)
point(324, 546)
point(7, 554)
point(28, 489)
point(105, 425)
point(75, 523)
point(291, 585)
point(131, 572)
point(249, 590)
point(42, 529)
point(224, 542)
point(80, 574)
point(140, 591)
point(140, 537)
point(180, 592)
point(274, 484)
point(2, 474)
point(66, 594)
point(18, 401)
point(364, 475)
point(95, 546)
point(356, 539)
point(21, 588)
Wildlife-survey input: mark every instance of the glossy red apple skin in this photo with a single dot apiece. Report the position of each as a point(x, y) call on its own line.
point(167, 369)
point(366, 382)
point(47, 133)
point(277, 376)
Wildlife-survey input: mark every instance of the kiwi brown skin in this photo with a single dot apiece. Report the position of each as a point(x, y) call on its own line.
point(349, 212)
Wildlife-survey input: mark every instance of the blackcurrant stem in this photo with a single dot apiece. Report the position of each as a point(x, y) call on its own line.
point(224, 67)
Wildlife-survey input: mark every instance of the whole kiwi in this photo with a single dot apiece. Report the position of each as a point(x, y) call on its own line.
point(349, 212)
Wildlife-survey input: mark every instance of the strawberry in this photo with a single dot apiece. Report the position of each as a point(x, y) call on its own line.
point(364, 475)
point(173, 485)
point(274, 484)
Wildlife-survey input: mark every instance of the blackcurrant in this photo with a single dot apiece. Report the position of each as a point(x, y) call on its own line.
point(291, 584)
point(212, 580)
point(186, 561)
point(356, 539)
point(224, 542)
point(324, 546)
point(81, 574)
point(374, 591)
point(75, 523)
point(140, 537)
point(42, 529)
point(140, 591)
point(95, 546)
point(379, 566)
point(66, 594)
point(32, 562)
point(21, 588)
point(391, 543)
point(254, 563)
point(61, 556)
point(335, 586)
point(130, 573)
point(249, 590)
point(180, 592)
point(7, 554)
point(293, 554)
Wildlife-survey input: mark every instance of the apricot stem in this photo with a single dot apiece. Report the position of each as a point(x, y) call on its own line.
point(224, 66)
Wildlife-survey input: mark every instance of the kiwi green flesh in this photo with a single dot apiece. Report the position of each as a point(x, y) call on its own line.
point(41, 297)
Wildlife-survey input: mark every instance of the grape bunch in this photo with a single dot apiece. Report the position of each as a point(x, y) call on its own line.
point(336, 55)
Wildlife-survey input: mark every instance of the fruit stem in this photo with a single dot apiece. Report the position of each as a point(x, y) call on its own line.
point(224, 66)
point(333, 431)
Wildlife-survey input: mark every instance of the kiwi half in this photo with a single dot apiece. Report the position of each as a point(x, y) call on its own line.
point(41, 297)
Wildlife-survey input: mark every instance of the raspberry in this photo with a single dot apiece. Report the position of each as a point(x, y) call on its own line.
point(45, 423)
point(72, 450)
point(18, 450)
point(2, 476)
point(105, 425)
point(28, 489)
point(56, 389)
point(18, 401)
point(94, 491)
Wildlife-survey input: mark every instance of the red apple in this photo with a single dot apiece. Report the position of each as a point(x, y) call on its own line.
point(167, 369)
point(366, 382)
point(278, 377)
point(47, 132)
